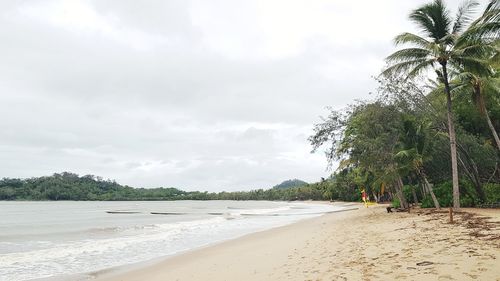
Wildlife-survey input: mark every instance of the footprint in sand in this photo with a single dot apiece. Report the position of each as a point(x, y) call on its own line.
point(472, 276)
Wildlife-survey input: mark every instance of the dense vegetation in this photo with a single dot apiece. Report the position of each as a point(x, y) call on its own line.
point(69, 186)
point(421, 139)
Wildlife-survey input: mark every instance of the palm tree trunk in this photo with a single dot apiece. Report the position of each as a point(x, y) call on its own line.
point(453, 143)
point(484, 111)
point(470, 169)
point(423, 189)
point(429, 188)
point(495, 135)
point(400, 194)
point(414, 194)
point(492, 128)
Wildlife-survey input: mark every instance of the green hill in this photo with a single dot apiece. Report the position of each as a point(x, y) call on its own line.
point(290, 184)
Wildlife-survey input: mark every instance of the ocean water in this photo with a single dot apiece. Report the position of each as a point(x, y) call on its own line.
point(50, 239)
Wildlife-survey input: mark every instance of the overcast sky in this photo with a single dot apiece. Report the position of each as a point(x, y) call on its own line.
point(199, 95)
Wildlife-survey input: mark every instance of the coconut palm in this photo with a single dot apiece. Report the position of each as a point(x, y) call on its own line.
point(483, 31)
point(479, 86)
point(413, 150)
point(486, 28)
point(438, 46)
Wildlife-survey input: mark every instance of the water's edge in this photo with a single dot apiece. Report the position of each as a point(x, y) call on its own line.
point(144, 264)
point(82, 240)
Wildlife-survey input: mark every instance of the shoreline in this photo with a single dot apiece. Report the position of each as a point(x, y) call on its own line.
point(123, 272)
point(364, 244)
point(118, 271)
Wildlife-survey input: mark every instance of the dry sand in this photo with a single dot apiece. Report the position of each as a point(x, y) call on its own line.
point(365, 244)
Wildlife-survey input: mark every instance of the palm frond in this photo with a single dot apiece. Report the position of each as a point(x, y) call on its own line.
point(487, 30)
point(421, 67)
point(478, 50)
point(465, 77)
point(472, 64)
point(408, 68)
point(408, 54)
point(410, 38)
point(487, 25)
point(463, 16)
point(490, 14)
point(492, 85)
point(433, 19)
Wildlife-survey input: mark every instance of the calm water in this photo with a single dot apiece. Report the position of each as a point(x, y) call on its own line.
point(44, 239)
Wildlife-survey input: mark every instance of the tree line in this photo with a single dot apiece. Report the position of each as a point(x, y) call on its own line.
point(421, 139)
point(70, 186)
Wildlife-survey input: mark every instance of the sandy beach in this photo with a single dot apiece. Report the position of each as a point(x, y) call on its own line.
point(363, 244)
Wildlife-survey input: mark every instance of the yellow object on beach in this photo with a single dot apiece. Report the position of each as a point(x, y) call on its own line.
point(363, 197)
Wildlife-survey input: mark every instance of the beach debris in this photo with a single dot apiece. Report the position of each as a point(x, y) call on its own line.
point(168, 213)
point(424, 263)
point(123, 212)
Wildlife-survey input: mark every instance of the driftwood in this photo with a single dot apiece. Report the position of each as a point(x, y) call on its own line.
point(389, 209)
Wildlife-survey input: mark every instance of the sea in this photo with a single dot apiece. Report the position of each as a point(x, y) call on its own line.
point(64, 238)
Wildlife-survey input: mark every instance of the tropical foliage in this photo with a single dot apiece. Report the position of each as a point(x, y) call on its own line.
point(70, 186)
point(396, 145)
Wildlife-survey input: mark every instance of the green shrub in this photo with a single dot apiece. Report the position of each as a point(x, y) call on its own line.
point(427, 202)
point(444, 195)
point(407, 193)
point(395, 203)
point(492, 192)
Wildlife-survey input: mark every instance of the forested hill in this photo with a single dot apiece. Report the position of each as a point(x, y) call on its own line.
point(291, 183)
point(70, 186)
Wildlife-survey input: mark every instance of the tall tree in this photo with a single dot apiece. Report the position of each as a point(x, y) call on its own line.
point(413, 150)
point(484, 32)
point(364, 139)
point(478, 86)
point(438, 46)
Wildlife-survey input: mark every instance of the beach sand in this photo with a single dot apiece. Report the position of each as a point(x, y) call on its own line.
point(363, 244)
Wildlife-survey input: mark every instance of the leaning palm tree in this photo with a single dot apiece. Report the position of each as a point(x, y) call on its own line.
point(484, 31)
point(413, 151)
point(438, 46)
point(479, 86)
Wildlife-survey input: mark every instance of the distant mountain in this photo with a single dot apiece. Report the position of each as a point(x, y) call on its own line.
point(290, 184)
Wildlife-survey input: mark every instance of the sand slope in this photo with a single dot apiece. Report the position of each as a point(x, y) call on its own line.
point(365, 244)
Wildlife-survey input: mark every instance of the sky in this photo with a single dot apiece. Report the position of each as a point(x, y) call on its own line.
point(199, 95)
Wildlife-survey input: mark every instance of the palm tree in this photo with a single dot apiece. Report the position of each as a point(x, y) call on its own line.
point(413, 151)
point(439, 45)
point(484, 32)
point(478, 86)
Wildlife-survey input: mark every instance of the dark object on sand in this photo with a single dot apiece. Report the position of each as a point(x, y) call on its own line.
point(168, 213)
point(424, 263)
point(122, 212)
point(389, 209)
